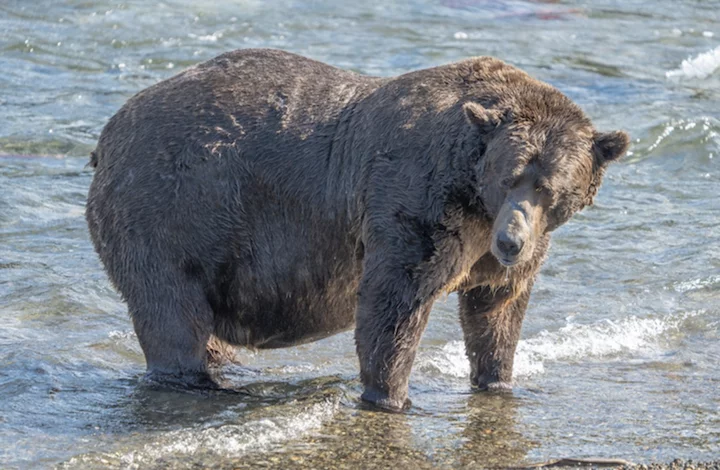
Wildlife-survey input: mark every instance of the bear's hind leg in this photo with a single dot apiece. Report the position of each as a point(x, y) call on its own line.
point(173, 323)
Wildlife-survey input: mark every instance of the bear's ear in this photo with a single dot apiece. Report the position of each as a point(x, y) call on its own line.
point(485, 119)
point(609, 146)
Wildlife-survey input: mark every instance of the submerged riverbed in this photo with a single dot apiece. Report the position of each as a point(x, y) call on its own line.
point(621, 344)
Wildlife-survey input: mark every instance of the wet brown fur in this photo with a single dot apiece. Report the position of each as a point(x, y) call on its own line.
point(266, 200)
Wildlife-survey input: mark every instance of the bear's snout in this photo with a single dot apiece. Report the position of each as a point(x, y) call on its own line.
point(508, 245)
point(512, 235)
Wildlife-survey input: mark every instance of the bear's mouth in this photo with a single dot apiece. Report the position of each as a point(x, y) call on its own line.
point(507, 262)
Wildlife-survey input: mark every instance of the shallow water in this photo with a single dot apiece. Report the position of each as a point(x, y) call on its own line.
point(620, 348)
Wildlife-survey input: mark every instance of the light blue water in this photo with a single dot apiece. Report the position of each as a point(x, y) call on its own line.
point(620, 348)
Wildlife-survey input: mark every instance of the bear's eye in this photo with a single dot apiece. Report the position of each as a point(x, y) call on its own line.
point(546, 194)
point(509, 182)
point(543, 189)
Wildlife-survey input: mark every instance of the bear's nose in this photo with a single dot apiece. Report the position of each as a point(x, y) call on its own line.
point(508, 245)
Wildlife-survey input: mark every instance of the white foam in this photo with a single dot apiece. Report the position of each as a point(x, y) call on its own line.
point(208, 37)
point(449, 360)
point(575, 342)
point(700, 67)
point(696, 284)
point(124, 342)
point(122, 335)
point(571, 343)
point(294, 369)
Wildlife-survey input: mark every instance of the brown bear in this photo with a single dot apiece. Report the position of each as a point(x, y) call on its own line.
point(267, 200)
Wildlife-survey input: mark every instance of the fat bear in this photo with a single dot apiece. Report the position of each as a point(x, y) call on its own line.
point(266, 200)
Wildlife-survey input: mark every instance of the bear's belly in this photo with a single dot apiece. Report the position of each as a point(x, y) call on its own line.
point(294, 336)
point(303, 299)
point(297, 318)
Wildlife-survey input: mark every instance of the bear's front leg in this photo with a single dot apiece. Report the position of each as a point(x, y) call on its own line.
point(491, 320)
point(392, 313)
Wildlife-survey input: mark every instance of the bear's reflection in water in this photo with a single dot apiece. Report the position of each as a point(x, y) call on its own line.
point(315, 423)
point(483, 434)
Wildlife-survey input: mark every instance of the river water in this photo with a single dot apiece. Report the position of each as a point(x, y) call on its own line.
point(620, 348)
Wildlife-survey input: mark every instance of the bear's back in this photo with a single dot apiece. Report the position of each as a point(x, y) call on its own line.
point(247, 96)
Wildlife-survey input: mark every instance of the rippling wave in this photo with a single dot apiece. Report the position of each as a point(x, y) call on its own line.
point(629, 337)
point(226, 440)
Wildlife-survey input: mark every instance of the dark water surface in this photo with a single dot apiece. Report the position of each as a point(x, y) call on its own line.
point(620, 348)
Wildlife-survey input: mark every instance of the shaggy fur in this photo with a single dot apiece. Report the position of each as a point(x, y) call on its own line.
point(267, 200)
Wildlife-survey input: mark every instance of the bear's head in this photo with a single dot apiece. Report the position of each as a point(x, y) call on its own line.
point(542, 162)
